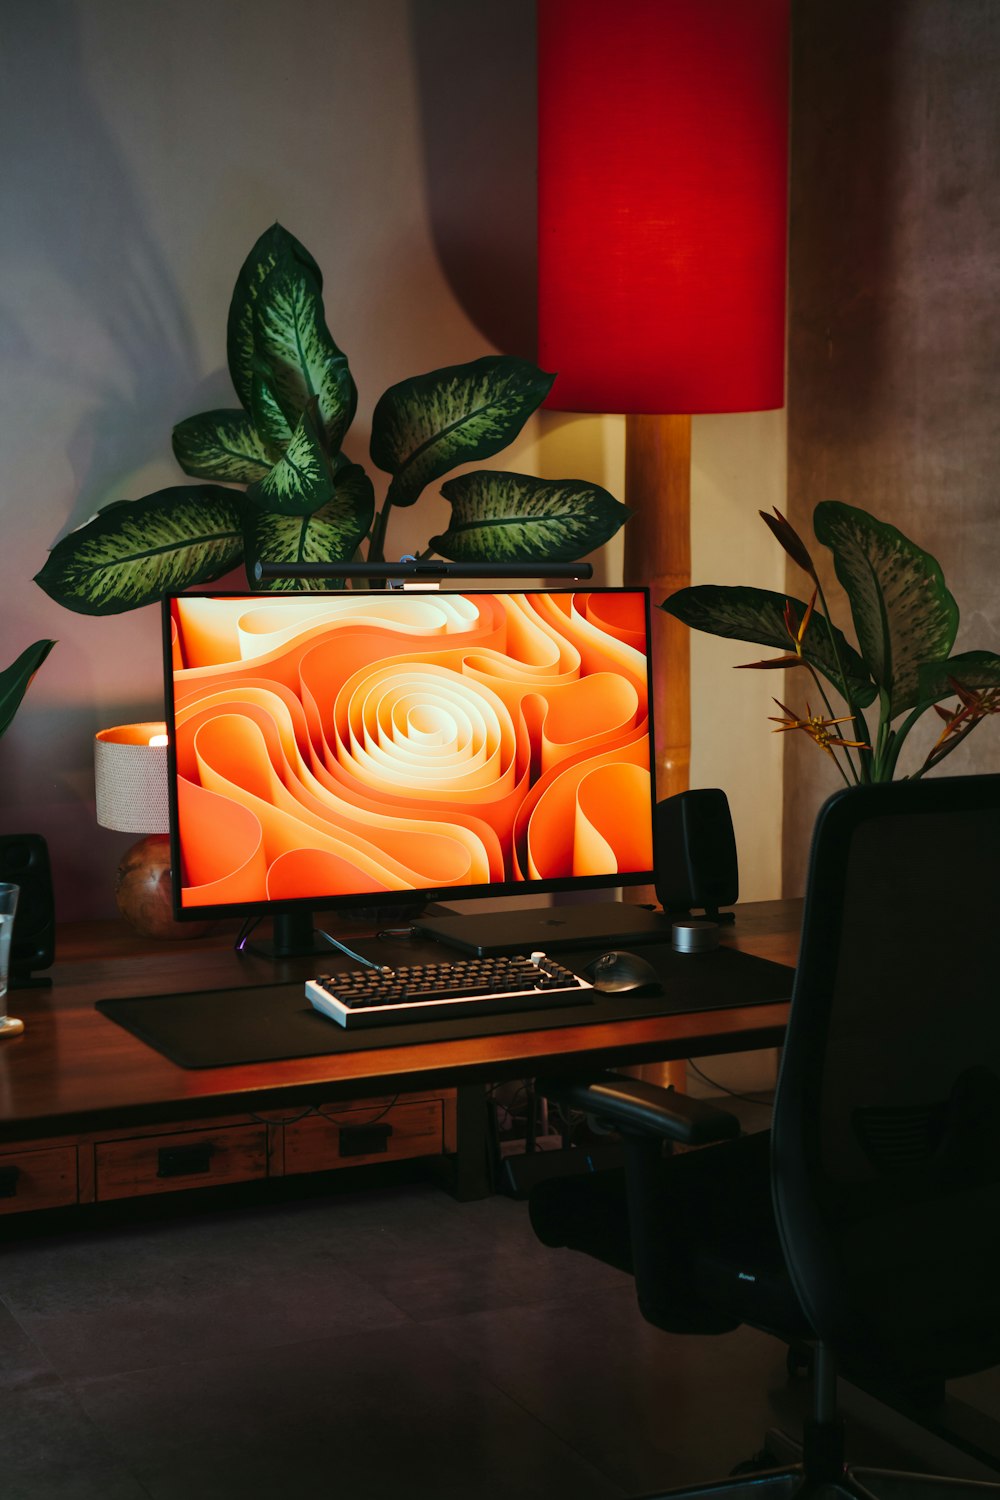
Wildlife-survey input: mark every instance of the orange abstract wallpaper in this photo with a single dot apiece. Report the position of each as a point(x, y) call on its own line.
point(345, 744)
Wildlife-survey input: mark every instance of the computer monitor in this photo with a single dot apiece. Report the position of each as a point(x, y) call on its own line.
point(389, 747)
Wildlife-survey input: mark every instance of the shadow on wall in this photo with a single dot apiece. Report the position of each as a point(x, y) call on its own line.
point(49, 790)
point(844, 218)
point(476, 80)
point(72, 210)
point(844, 214)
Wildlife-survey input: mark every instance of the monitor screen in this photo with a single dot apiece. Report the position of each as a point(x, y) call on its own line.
point(357, 747)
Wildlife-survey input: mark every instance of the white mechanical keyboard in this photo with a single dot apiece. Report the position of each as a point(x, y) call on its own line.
point(439, 991)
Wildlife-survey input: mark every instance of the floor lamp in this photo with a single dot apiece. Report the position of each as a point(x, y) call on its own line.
point(662, 166)
point(662, 190)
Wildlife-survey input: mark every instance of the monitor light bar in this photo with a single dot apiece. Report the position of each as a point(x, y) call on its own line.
point(264, 572)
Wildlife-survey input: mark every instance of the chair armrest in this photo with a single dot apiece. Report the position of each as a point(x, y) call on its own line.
point(638, 1108)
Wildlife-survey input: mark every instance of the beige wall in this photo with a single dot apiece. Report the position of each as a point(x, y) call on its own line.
point(146, 146)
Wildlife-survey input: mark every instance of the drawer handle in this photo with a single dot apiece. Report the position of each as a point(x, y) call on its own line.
point(184, 1161)
point(8, 1181)
point(364, 1140)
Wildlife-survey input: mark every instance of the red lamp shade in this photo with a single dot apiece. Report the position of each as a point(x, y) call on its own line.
point(662, 164)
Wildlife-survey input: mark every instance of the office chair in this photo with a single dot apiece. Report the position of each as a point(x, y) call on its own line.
point(867, 1220)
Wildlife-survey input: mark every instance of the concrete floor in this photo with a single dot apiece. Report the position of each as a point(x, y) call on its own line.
point(375, 1340)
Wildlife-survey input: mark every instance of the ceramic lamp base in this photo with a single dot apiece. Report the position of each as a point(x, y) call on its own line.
point(142, 891)
point(10, 1026)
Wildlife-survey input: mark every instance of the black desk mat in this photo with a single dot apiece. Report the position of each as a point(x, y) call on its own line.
point(268, 1023)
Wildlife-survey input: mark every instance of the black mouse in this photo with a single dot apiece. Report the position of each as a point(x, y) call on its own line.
point(617, 973)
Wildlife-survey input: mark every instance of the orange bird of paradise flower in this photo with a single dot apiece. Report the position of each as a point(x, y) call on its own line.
point(817, 728)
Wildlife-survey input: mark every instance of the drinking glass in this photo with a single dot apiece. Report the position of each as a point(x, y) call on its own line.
point(9, 1025)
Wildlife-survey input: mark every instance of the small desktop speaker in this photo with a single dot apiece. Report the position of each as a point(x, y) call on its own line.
point(24, 862)
point(694, 852)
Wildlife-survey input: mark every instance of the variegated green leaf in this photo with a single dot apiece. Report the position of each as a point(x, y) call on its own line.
point(500, 517)
point(973, 669)
point(429, 424)
point(903, 613)
point(15, 679)
point(302, 480)
point(292, 340)
point(331, 534)
point(134, 551)
point(748, 614)
point(275, 247)
point(265, 410)
point(222, 445)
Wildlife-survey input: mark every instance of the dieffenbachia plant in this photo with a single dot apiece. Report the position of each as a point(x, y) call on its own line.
point(16, 679)
point(905, 622)
point(302, 500)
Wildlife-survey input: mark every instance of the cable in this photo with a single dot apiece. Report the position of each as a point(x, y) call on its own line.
point(310, 1109)
point(747, 1098)
point(243, 936)
point(380, 1114)
point(317, 1109)
point(368, 963)
point(508, 1107)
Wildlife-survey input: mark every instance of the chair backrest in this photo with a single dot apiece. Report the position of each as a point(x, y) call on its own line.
point(886, 1133)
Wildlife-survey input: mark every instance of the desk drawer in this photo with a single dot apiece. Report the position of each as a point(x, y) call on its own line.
point(181, 1159)
point(37, 1179)
point(351, 1137)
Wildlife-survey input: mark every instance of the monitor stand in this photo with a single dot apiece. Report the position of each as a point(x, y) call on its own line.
point(594, 924)
point(293, 935)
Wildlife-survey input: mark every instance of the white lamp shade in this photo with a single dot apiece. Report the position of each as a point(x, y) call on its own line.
point(130, 775)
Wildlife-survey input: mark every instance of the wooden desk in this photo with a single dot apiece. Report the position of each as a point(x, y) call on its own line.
point(87, 1111)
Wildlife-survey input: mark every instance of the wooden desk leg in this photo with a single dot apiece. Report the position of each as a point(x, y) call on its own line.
point(469, 1173)
point(658, 554)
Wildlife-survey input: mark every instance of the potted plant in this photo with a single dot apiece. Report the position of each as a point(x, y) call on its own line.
point(905, 621)
point(302, 500)
point(16, 679)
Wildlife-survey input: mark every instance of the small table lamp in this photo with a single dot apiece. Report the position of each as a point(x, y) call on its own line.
point(130, 774)
point(662, 179)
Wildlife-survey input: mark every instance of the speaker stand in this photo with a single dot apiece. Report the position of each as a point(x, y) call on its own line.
point(710, 914)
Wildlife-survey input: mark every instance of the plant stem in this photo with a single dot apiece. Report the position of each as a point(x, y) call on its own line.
point(376, 548)
point(935, 757)
point(898, 738)
point(833, 756)
point(883, 740)
point(860, 723)
point(830, 715)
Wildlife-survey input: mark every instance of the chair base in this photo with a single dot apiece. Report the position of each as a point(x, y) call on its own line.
point(861, 1484)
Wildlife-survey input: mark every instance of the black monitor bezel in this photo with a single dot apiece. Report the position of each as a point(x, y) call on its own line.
point(396, 899)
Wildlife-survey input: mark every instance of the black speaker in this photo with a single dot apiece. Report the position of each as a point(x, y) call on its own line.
point(24, 862)
point(694, 853)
